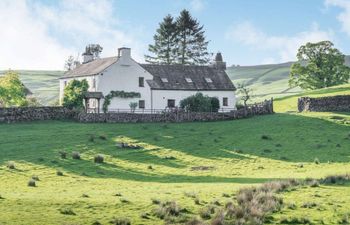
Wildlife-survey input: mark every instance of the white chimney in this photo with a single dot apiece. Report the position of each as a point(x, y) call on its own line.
point(124, 52)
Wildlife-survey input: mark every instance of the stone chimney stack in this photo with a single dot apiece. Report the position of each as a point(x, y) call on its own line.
point(218, 62)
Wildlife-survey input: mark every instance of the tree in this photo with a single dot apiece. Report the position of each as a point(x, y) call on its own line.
point(12, 90)
point(192, 46)
point(70, 63)
point(164, 43)
point(319, 65)
point(74, 94)
point(245, 93)
point(94, 50)
point(200, 103)
point(179, 42)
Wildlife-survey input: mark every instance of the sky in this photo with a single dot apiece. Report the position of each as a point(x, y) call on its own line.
point(42, 34)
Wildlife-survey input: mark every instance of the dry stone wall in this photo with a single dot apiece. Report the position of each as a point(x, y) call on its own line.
point(21, 114)
point(340, 103)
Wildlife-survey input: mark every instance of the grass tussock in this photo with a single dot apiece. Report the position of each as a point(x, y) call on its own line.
point(99, 158)
point(167, 209)
point(295, 220)
point(59, 173)
point(11, 165)
point(120, 221)
point(31, 183)
point(67, 211)
point(336, 179)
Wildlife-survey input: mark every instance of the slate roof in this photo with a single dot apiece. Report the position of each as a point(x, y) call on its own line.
point(177, 74)
point(91, 68)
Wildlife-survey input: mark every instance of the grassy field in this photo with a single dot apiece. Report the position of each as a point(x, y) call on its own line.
point(193, 164)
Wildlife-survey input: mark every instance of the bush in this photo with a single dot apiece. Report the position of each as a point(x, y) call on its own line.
point(144, 215)
point(336, 179)
point(11, 165)
point(92, 138)
point(85, 196)
point(75, 155)
point(120, 221)
point(31, 183)
point(98, 158)
point(265, 137)
point(63, 154)
point(194, 221)
point(200, 103)
point(103, 137)
point(295, 220)
point(150, 167)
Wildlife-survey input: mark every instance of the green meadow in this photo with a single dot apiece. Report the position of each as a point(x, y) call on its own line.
point(193, 164)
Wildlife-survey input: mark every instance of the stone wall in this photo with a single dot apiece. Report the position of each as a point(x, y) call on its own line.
point(18, 114)
point(11, 115)
point(257, 109)
point(340, 103)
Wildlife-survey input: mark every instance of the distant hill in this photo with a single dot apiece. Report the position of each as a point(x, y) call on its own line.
point(43, 84)
point(266, 80)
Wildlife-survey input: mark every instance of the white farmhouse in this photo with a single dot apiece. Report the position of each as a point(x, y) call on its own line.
point(158, 87)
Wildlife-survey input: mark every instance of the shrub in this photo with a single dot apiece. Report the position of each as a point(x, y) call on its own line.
point(118, 194)
point(11, 165)
point(345, 219)
point(96, 223)
point(308, 205)
point(67, 211)
point(190, 194)
point(59, 173)
point(75, 155)
point(36, 178)
point(194, 221)
point(31, 183)
point(206, 212)
point(292, 206)
point(85, 196)
point(63, 154)
point(295, 220)
point(200, 103)
point(197, 201)
point(98, 158)
point(150, 167)
point(314, 183)
point(166, 209)
point(120, 221)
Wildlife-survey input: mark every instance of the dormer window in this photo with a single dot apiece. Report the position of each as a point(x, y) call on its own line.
point(164, 80)
point(208, 80)
point(188, 80)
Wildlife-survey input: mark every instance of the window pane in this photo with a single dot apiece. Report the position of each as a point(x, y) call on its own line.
point(141, 82)
point(142, 104)
point(171, 103)
point(225, 101)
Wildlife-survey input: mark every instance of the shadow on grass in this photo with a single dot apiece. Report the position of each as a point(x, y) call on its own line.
point(291, 138)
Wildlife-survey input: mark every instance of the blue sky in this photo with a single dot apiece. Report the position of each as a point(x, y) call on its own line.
point(42, 34)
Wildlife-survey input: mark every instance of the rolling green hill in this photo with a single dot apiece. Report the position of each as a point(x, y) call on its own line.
point(266, 80)
point(43, 84)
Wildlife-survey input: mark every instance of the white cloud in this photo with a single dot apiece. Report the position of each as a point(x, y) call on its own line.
point(344, 16)
point(197, 5)
point(39, 36)
point(283, 48)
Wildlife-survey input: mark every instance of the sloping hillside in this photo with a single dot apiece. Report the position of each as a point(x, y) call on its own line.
point(267, 80)
point(43, 84)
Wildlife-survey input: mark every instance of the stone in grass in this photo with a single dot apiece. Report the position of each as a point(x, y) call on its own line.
point(31, 183)
point(11, 165)
point(98, 158)
point(76, 155)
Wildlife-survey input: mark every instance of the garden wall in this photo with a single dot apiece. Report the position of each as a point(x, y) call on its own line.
point(18, 114)
point(340, 103)
point(11, 115)
point(257, 109)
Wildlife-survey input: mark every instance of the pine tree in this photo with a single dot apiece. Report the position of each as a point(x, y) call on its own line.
point(192, 46)
point(164, 43)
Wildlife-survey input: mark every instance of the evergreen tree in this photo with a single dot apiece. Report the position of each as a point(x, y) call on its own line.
point(191, 46)
point(164, 43)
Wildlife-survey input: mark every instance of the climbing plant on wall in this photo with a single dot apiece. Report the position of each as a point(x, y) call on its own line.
point(120, 94)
